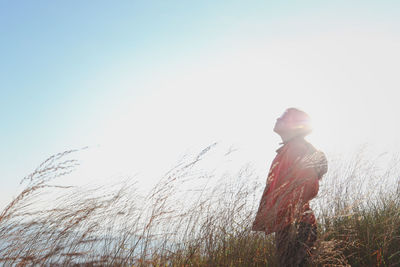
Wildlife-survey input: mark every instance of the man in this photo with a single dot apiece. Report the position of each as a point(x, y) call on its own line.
point(292, 182)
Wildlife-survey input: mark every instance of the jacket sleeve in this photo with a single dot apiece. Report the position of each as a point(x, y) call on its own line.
point(312, 170)
point(306, 184)
point(306, 168)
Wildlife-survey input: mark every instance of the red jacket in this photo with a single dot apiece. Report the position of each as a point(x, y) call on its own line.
point(292, 182)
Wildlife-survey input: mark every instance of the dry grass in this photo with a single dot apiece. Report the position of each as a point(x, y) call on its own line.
point(194, 218)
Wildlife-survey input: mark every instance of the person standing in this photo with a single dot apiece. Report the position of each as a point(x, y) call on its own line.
point(293, 180)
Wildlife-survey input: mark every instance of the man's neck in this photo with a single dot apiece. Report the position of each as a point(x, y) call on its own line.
point(289, 137)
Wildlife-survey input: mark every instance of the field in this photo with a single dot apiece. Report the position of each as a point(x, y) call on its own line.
point(194, 218)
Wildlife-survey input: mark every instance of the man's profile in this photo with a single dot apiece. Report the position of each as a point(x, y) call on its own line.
point(293, 180)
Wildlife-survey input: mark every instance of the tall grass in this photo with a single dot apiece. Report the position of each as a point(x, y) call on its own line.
point(194, 217)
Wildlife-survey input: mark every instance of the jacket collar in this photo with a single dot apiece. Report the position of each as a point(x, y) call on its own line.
point(292, 140)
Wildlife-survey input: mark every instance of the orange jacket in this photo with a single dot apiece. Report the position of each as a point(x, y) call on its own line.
point(292, 182)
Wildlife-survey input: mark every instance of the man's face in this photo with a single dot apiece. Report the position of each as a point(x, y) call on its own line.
point(282, 123)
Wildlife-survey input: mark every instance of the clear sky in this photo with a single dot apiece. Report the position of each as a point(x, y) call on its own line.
point(142, 82)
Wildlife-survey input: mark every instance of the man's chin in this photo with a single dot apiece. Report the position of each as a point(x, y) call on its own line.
point(277, 130)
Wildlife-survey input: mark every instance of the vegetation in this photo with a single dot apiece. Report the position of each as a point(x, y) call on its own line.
point(195, 218)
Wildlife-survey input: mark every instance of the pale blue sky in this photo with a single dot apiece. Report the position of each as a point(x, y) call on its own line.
point(72, 73)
